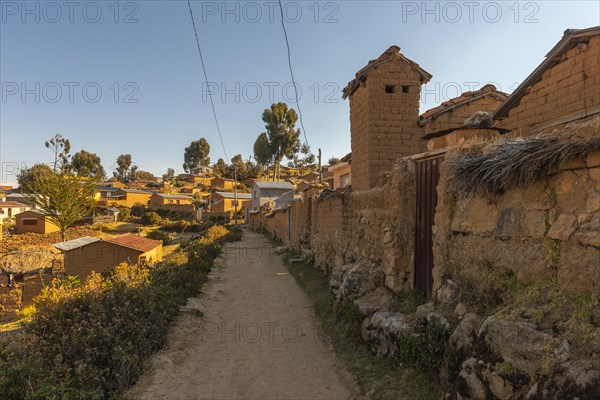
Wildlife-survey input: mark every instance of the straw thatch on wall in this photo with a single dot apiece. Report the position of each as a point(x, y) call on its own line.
point(27, 260)
point(516, 162)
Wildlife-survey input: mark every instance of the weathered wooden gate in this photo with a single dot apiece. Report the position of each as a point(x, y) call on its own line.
point(427, 174)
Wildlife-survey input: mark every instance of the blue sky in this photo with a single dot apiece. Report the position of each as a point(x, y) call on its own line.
point(141, 55)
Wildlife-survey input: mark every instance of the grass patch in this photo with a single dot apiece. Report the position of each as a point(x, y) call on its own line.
point(382, 378)
point(566, 314)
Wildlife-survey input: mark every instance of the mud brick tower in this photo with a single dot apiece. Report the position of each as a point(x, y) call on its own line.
point(384, 115)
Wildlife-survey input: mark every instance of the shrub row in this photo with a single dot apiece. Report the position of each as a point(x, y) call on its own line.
point(89, 340)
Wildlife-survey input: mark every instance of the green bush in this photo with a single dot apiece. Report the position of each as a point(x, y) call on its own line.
point(124, 214)
point(426, 347)
point(151, 218)
point(89, 340)
point(162, 236)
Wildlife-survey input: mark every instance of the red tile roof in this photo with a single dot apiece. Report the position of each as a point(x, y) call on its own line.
point(464, 98)
point(134, 242)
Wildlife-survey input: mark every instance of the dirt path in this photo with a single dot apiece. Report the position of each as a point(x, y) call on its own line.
point(251, 334)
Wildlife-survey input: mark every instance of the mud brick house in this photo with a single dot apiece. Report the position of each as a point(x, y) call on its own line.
point(87, 254)
point(563, 88)
point(202, 171)
point(225, 201)
point(384, 110)
point(341, 173)
point(132, 197)
point(452, 113)
point(264, 192)
point(34, 221)
point(222, 183)
point(106, 194)
point(171, 202)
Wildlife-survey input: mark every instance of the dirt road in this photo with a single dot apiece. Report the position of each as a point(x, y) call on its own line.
point(251, 334)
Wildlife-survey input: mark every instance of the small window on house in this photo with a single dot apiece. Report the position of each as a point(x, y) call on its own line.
point(390, 89)
point(30, 222)
point(405, 89)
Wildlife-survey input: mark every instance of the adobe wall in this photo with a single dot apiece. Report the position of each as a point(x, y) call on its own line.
point(384, 125)
point(456, 117)
point(569, 87)
point(549, 228)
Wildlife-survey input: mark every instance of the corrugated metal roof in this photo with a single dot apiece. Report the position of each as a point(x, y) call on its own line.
point(174, 196)
point(138, 191)
point(274, 185)
point(230, 195)
point(135, 242)
point(75, 243)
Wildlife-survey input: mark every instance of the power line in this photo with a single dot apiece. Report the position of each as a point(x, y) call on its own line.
point(212, 104)
point(287, 43)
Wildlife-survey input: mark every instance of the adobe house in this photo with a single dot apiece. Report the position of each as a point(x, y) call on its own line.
point(222, 183)
point(225, 201)
point(264, 192)
point(563, 88)
point(341, 173)
point(451, 114)
point(9, 209)
point(87, 254)
point(34, 221)
point(384, 102)
point(105, 193)
point(199, 180)
point(131, 197)
point(202, 171)
point(171, 202)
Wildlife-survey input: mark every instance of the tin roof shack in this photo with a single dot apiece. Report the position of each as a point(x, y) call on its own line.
point(563, 88)
point(225, 201)
point(87, 254)
point(34, 221)
point(222, 183)
point(264, 192)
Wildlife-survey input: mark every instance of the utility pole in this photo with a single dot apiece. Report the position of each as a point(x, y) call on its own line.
point(235, 195)
point(320, 168)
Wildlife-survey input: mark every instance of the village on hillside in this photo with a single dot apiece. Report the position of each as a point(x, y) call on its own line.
point(454, 253)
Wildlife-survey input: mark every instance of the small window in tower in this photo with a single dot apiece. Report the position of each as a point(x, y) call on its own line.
point(390, 89)
point(405, 89)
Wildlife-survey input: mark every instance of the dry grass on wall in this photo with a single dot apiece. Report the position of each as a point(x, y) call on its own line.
point(515, 163)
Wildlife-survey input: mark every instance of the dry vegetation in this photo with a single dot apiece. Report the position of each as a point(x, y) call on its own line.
point(17, 242)
point(515, 163)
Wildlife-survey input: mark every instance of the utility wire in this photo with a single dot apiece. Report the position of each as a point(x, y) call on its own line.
point(212, 104)
point(289, 53)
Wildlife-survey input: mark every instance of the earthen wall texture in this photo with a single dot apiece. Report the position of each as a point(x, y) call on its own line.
point(550, 229)
point(570, 87)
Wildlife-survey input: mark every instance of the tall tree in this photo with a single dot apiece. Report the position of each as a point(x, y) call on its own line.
point(140, 175)
point(220, 167)
point(125, 168)
point(196, 155)
point(262, 150)
point(87, 164)
point(61, 147)
point(280, 124)
point(26, 176)
point(169, 175)
point(62, 197)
